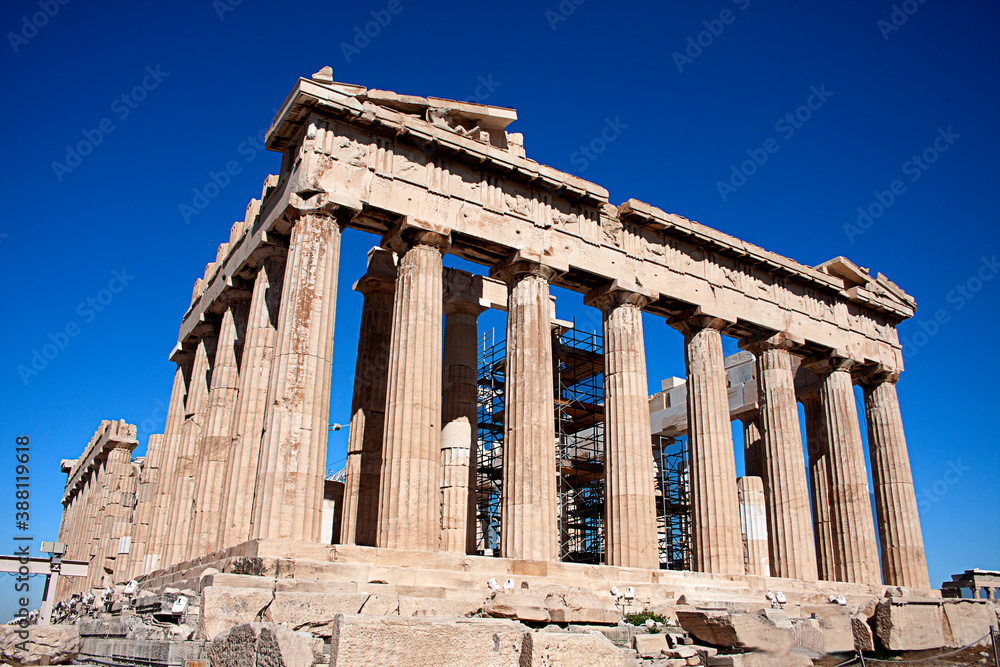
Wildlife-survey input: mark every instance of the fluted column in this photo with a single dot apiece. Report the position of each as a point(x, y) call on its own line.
point(629, 496)
point(753, 445)
point(121, 482)
point(145, 504)
point(212, 457)
point(410, 482)
point(753, 520)
point(903, 559)
point(717, 545)
point(786, 489)
point(288, 503)
point(852, 529)
point(528, 500)
point(459, 434)
point(248, 417)
point(159, 534)
point(819, 483)
point(359, 519)
point(178, 526)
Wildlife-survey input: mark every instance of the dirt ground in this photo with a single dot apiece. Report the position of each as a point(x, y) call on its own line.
point(978, 656)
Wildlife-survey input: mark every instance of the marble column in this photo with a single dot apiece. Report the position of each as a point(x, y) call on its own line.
point(99, 530)
point(410, 481)
point(852, 529)
point(248, 417)
point(288, 503)
point(528, 500)
point(213, 456)
point(717, 545)
point(903, 560)
point(179, 526)
point(819, 483)
point(629, 489)
point(786, 488)
point(145, 502)
point(753, 521)
point(75, 539)
point(459, 434)
point(359, 518)
point(121, 482)
point(753, 445)
point(159, 533)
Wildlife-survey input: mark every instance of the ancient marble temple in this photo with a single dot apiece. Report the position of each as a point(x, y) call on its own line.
point(243, 452)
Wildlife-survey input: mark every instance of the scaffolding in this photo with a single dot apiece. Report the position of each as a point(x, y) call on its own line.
point(578, 374)
point(673, 503)
point(490, 403)
point(578, 383)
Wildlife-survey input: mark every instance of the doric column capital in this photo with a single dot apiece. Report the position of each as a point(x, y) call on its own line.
point(409, 233)
point(181, 356)
point(235, 296)
point(695, 320)
point(873, 377)
point(462, 293)
point(340, 206)
point(381, 274)
point(770, 341)
point(608, 297)
point(523, 264)
point(750, 417)
point(812, 398)
point(831, 364)
point(265, 253)
point(455, 305)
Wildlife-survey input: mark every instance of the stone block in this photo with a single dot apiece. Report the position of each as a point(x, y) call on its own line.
point(967, 622)
point(311, 611)
point(864, 640)
point(435, 607)
point(835, 625)
point(381, 605)
point(909, 627)
point(418, 642)
point(808, 634)
point(735, 630)
point(566, 649)
point(225, 607)
point(263, 645)
point(650, 646)
point(59, 643)
point(580, 607)
point(517, 603)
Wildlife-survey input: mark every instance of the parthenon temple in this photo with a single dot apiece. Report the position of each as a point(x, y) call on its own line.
point(239, 474)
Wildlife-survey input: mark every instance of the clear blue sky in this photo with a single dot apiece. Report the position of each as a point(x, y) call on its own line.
point(680, 123)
